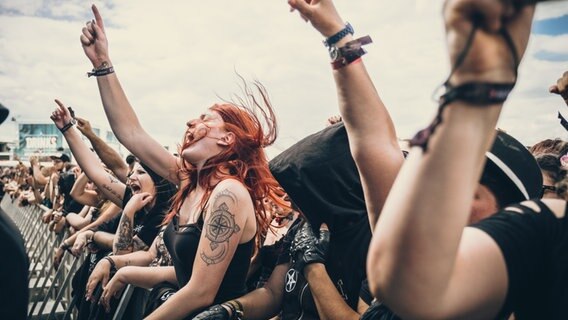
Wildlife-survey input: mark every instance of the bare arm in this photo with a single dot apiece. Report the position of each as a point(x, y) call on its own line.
point(371, 132)
point(121, 115)
point(38, 176)
point(231, 202)
point(108, 155)
point(81, 195)
point(106, 182)
point(420, 255)
point(329, 303)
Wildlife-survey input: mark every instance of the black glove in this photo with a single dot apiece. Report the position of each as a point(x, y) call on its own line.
point(216, 312)
point(307, 248)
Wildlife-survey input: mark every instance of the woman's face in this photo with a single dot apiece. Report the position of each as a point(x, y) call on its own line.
point(204, 138)
point(140, 181)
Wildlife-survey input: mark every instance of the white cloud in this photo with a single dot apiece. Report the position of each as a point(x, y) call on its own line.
point(173, 59)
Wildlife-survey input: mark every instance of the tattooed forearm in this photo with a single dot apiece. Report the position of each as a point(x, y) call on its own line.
point(123, 237)
point(138, 245)
point(219, 228)
point(111, 190)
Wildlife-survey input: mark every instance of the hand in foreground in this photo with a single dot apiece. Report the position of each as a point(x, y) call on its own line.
point(94, 40)
point(307, 248)
point(489, 58)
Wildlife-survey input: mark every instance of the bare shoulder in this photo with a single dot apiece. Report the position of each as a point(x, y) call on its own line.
point(232, 190)
point(557, 206)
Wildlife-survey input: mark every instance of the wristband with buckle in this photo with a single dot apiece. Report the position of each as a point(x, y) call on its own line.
point(350, 52)
point(68, 125)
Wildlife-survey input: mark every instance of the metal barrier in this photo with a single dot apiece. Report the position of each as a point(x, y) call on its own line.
point(50, 290)
point(47, 289)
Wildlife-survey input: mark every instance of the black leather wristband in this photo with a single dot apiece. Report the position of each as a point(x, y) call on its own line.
point(478, 93)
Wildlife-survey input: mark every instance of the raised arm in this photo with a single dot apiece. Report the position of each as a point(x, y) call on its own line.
point(82, 195)
point(121, 115)
point(106, 182)
point(421, 262)
point(38, 176)
point(108, 155)
point(230, 200)
point(372, 136)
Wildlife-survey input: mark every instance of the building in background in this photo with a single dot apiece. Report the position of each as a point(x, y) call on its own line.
point(42, 138)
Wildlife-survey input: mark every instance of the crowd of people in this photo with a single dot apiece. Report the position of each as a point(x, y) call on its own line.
point(467, 222)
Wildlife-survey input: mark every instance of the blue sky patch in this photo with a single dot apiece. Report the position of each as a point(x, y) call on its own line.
point(551, 27)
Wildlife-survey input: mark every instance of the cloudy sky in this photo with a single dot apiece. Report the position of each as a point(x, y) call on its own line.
point(174, 60)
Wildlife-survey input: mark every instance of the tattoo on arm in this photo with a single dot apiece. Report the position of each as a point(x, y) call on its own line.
point(124, 235)
point(138, 244)
point(219, 228)
point(111, 190)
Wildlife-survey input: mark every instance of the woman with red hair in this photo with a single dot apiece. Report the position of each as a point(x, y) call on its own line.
point(222, 173)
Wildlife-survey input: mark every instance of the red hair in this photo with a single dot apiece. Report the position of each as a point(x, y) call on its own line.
point(253, 123)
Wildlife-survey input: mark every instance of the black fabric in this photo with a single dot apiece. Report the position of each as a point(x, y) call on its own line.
point(159, 294)
point(365, 293)
point(520, 161)
point(321, 178)
point(534, 246)
point(14, 292)
point(345, 266)
point(182, 242)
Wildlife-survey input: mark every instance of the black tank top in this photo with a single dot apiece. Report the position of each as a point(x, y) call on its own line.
point(182, 242)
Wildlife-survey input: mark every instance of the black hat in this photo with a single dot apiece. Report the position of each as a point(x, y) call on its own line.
point(511, 171)
point(320, 176)
point(61, 156)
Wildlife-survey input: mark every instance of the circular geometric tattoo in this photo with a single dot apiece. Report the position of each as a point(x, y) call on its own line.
point(221, 226)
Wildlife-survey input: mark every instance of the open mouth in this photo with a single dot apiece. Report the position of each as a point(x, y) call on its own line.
point(135, 188)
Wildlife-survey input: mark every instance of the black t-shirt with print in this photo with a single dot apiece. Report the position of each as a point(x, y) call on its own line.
point(146, 225)
point(535, 248)
point(345, 265)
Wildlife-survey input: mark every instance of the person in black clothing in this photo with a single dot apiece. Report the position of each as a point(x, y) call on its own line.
point(424, 262)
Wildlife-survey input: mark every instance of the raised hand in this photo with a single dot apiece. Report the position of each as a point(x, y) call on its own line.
point(321, 14)
point(61, 115)
point(561, 87)
point(94, 40)
point(489, 59)
point(308, 248)
point(84, 126)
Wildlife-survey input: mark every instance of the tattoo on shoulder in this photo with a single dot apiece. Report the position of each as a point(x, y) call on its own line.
point(219, 228)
